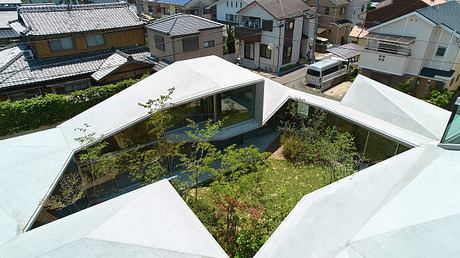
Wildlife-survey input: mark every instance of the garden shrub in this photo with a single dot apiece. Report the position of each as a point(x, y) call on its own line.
point(49, 109)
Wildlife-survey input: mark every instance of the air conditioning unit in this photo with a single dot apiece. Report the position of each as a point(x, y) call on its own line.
point(28, 54)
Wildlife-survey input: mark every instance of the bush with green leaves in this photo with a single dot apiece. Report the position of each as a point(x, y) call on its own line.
point(49, 109)
point(441, 98)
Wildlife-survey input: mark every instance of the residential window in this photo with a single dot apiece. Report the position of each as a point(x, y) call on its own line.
point(291, 25)
point(362, 8)
point(95, 40)
point(190, 44)
point(342, 10)
point(231, 3)
point(267, 25)
point(208, 44)
point(327, 10)
point(441, 51)
point(249, 50)
point(458, 76)
point(159, 42)
point(61, 44)
point(230, 17)
point(227, 3)
point(237, 106)
point(241, 5)
point(265, 52)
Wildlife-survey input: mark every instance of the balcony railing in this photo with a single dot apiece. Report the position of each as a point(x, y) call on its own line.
point(395, 51)
point(248, 33)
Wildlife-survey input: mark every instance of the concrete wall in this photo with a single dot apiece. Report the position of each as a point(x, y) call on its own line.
point(174, 50)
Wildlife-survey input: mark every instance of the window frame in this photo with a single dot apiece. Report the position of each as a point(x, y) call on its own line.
point(247, 47)
point(101, 35)
point(265, 51)
point(190, 44)
point(208, 42)
point(61, 48)
point(444, 50)
point(159, 45)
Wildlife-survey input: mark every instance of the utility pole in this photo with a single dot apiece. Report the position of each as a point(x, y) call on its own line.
point(313, 45)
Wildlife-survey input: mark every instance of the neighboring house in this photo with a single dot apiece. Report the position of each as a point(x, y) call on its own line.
point(185, 36)
point(333, 23)
point(227, 10)
point(423, 44)
point(357, 11)
point(270, 34)
point(392, 9)
point(63, 45)
point(164, 8)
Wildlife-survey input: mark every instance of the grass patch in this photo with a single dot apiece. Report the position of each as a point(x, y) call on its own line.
point(242, 214)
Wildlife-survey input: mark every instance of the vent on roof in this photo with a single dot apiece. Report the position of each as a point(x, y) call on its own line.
point(28, 54)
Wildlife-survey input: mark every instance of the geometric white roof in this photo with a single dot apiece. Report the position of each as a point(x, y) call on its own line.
point(152, 221)
point(403, 110)
point(32, 164)
point(406, 206)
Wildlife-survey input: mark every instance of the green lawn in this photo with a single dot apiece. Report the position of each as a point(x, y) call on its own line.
point(260, 202)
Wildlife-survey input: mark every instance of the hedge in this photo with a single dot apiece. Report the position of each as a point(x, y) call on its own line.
point(49, 109)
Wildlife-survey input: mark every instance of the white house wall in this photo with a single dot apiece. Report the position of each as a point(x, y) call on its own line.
point(223, 10)
point(428, 38)
point(354, 11)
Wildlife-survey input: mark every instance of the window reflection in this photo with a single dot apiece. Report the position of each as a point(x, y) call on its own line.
point(452, 134)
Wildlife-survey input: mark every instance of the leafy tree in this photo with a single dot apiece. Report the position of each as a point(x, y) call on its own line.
point(352, 73)
point(441, 98)
point(230, 41)
point(406, 86)
point(203, 155)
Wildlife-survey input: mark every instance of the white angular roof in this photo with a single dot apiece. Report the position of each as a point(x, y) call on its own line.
point(32, 164)
point(152, 221)
point(406, 206)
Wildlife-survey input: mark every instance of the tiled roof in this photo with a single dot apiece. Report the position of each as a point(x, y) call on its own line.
point(6, 17)
point(182, 24)
point(447, 14)
point(22, 72)
point(58, 19)
point(117, 60)
point(160, 65)
point(340, 2)
point(281, 9)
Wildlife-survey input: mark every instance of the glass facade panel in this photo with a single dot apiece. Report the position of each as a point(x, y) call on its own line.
point(452, 134)
point(237, 106)
point(379, 148)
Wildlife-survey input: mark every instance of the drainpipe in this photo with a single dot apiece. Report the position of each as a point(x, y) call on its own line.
point(279, 47)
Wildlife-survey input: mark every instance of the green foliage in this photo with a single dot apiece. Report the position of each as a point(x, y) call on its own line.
point(203, 155)
point(71, 188)
point(49, 109)
point(352, 73)
point(440, 98)
point(311, 142)
point(406, 86)
point(229, 47)
point(243, 212)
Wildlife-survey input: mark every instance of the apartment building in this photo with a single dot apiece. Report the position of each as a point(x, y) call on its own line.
point(423, 45)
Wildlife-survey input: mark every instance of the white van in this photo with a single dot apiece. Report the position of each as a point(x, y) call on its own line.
point(326, 73)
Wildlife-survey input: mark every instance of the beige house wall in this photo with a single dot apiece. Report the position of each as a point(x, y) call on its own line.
point(174, 50)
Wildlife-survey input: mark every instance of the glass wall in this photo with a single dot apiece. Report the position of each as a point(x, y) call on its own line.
point(452, 134)
point(236, 106)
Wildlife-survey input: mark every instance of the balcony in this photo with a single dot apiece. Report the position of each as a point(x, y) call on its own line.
point(248, 34)
point(390, 63)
